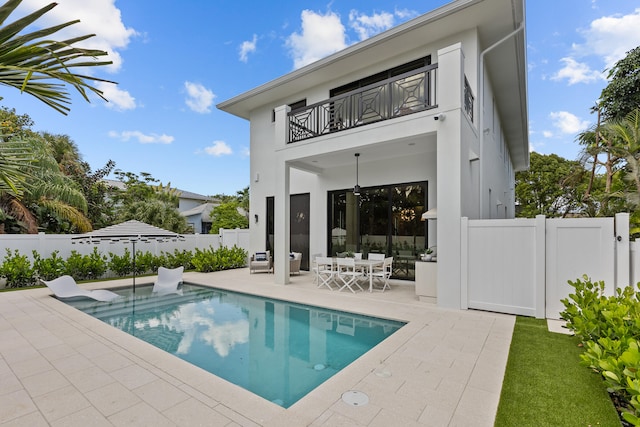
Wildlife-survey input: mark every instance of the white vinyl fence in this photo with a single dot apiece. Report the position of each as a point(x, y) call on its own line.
point(521, 266)
point(46, 244)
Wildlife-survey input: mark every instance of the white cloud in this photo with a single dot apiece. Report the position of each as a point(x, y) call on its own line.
point(608, 39)
point(103, 18)
point(368, 25)
point(219, 148)
point(321, 36)
point(547, 134)
point(248, 47)
point(405, 13)
point(568, 123)
point(576, 72)
point(199, 98)
point(141, 137)
point(120, 100)
point(611, 37)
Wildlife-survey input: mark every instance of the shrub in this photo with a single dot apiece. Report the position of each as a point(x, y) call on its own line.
point(224, 258)
point(85, 267)
point(609, 328)
point(177, 259)
point(146, 262)
point(17, 270)
point(120, 265)
point(48, 268)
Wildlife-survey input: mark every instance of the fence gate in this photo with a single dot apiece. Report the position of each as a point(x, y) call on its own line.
point(522, 266)
point(574, 247)
point(503, 269)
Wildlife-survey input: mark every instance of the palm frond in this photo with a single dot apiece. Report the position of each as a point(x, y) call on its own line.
point(41, 67)
point(68, 213)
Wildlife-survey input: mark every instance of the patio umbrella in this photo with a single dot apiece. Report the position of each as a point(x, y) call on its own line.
point(129, 231)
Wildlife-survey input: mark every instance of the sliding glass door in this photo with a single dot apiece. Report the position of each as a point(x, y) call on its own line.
point(385, 219)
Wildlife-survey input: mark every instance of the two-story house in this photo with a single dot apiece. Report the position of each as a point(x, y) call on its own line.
point(349, 152)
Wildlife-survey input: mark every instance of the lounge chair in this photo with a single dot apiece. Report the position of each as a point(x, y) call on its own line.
point(66, 287)
point(168, 281)
point(261, 261)
point(294, 262)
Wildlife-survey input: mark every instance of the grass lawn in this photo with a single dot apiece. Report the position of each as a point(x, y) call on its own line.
point(545, 385)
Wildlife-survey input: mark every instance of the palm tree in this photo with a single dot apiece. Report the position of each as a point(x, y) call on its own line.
point(627, 133)
point(33, 64)
point(49, 192)
point(42, 67)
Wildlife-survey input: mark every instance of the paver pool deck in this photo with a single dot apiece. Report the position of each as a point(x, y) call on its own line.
point(61, 367)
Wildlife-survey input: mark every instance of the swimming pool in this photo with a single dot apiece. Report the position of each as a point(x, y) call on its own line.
point(276, 349)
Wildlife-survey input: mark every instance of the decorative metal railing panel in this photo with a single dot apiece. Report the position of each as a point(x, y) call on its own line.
point(468, 99)
point(405, 94)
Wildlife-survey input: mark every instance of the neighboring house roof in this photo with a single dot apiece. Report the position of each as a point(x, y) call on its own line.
point(493, 19)
point(204, 210)
point(181, 193)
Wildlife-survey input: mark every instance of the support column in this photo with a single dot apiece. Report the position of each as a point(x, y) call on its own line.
point(282, 225)
point(449, 169)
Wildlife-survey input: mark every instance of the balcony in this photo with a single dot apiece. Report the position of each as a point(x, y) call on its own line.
point(407, 93)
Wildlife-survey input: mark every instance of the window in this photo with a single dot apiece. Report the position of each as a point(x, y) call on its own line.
point(396, 71)
point(293, 106)
point(384, 219)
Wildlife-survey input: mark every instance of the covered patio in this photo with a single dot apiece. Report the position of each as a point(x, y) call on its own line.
point(59, 366)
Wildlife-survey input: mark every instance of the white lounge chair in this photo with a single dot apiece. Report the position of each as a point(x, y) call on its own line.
point(66, 287)
point(168, 281)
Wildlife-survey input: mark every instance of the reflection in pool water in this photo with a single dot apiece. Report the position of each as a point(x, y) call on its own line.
point(276, 349)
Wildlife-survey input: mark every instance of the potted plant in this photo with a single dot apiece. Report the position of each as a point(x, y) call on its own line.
point(429, 254)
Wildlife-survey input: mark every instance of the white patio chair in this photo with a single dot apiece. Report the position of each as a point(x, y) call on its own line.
point(326, 272)
point(348, 274)
point(376, 257)
point(384, 273)
point(66, 287)
point(168, 281)
point(314, 267)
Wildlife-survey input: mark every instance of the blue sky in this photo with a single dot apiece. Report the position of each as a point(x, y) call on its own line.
point(174, 61)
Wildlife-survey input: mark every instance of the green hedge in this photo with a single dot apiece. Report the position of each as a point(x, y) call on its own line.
point(20, 272)
point(609, 329)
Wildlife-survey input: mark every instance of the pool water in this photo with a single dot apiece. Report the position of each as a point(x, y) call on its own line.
point(275, 349)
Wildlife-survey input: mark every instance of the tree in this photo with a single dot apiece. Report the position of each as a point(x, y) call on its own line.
point(45, 198)
point(622, 95)
point(553, 186)
point(34, 64)
point(227, 215)
point(145, 201)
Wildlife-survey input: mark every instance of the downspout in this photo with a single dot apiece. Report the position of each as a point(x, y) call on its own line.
point(481, 109)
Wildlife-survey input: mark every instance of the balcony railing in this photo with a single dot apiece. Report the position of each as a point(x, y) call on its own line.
point(468, 99)
point(404, 94)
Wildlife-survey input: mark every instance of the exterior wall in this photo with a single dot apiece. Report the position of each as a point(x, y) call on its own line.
point(457, 181)
point(497, 192)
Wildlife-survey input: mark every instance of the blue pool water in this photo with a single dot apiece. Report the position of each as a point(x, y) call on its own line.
point(275, 349)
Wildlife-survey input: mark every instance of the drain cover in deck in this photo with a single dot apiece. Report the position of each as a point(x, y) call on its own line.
point(355, 398)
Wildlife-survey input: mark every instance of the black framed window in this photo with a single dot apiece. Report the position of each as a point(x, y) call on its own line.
point(384, 219)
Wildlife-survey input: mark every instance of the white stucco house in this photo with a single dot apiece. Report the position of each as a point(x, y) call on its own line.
point(429, 114)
